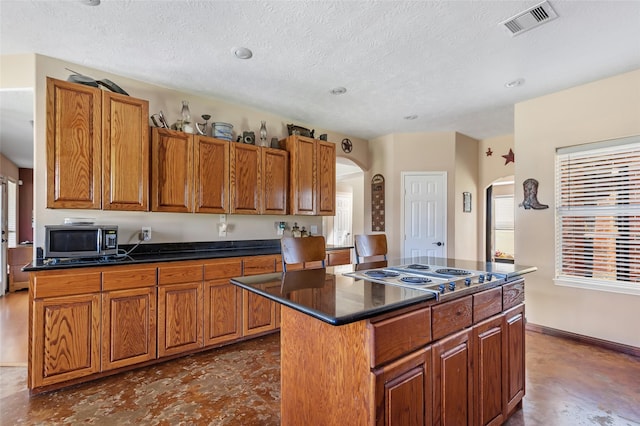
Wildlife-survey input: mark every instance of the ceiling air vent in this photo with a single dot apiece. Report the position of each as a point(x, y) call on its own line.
point(530, 18)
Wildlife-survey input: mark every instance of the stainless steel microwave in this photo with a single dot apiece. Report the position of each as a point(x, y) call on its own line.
point(63, 241)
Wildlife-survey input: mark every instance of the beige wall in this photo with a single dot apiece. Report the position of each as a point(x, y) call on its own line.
point(167, 227)
point(466, 180)
point(7, 168)
point(605, 109)
point(491, 168)
point(448, 152)
point(17, 71)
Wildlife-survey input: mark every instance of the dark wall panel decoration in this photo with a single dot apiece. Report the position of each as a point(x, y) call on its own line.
point(377, 203)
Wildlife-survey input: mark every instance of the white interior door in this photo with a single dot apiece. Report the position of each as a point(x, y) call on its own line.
point(342, 225)
point(425, 214)
point(4, 236)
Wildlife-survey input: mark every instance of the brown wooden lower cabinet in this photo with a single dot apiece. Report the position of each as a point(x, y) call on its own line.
point(403, 390)
point(515, 356)
point(489, 375)
point(65, 339)
point(453, 380)
point(259, 314)
point(222, 312)
point(180, 310)
point(128, 327)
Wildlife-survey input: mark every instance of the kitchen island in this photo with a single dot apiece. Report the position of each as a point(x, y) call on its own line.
point(358, 351)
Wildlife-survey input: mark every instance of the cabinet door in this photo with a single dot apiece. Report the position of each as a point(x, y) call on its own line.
point(125, 152)
point(180, 309)
point(326, 178)
point(339, 257)
point(403, 391)
point(66, 339)
point(211, 158)
point(73, 145)
point(489, 377)
point(222, 312)
point(303, 186)
point(245, 181)
point(128, 327)
point(171, 171)
point(453, 380)
point(275, 181)
point(514, 352)
point(259, 314)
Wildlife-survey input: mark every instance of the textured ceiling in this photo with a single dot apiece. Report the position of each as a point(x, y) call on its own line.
point(445, 61)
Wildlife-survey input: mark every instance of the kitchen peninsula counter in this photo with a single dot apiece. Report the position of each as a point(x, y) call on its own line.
point(90, 318)
point(359, 352)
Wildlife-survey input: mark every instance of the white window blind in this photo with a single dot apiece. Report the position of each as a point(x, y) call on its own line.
point(504, 206)
point(12, 213)
point(598, 216)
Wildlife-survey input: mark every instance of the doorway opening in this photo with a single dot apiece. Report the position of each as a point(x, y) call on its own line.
point(349, 218)
point(500, 221)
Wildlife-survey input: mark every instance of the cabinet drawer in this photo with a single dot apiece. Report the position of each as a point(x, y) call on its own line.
point(65, 284)
point(259, 265)
point(181, 273)
point(394, 337)
point(227, 268)
point(512, 294)
point(122, 279)
point(339, 257)
point(486, 304)
point(451, 316)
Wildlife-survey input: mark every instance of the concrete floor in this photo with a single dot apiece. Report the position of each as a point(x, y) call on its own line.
point(567, 383)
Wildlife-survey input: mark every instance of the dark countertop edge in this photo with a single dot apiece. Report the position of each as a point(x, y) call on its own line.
point(519, 272)
point(169, 256)
point(336, 321)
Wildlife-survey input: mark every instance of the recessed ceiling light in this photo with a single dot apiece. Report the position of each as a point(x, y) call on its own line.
point(242, 52)
point(514, 83)
point(410, 117)
point(338, 91)
point(91, 2)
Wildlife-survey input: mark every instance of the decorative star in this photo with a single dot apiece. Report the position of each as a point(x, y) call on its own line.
point(509, 158)
point(489, 152)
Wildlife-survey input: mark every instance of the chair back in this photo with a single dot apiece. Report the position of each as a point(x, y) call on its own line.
point(301, 250)
point(370, 248)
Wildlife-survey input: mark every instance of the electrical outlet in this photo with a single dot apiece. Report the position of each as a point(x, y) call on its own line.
point(145, 235)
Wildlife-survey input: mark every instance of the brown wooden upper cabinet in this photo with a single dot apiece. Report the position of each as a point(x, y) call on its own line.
point(211, 175)
point(125, 153)
point(171, 171)
point(312, 176)
point(93, 133)
point(246, 179)
point(189, 173)
point(275, 181)
point(259, 180)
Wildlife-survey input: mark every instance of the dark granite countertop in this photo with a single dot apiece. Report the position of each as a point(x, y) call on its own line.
point(169, 252)
point(330, 296)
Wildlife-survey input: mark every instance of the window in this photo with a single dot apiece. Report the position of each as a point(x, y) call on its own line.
point(598, 216)
point(12, 213)
point(504, 228)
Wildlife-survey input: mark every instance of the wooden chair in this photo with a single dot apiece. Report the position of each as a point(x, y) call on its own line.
point(371, 248)
point(303, 250)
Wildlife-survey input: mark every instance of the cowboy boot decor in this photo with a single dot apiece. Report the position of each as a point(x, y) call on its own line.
point(530, 187)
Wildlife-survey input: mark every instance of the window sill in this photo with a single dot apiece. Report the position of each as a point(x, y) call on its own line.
point(607, 286)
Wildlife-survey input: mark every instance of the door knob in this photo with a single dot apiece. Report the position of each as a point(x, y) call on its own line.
point(439, 243)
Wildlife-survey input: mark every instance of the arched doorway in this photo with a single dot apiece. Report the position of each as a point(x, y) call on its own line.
point(349, 218)
point(500, 224)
